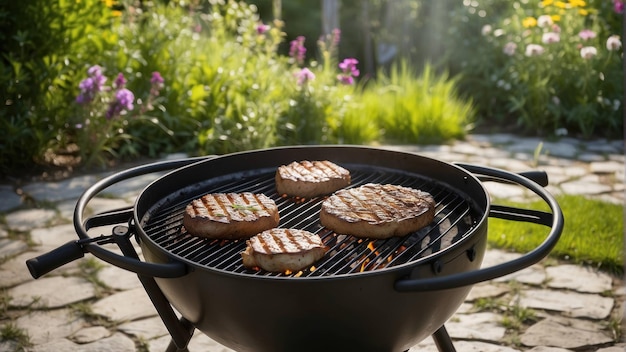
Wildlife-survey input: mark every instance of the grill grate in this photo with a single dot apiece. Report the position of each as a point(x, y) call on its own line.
point(454, 218)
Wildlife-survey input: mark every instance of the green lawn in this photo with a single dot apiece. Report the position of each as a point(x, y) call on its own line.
point(593, 233)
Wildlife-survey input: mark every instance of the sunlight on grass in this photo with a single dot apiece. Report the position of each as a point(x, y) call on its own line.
point(593, 232)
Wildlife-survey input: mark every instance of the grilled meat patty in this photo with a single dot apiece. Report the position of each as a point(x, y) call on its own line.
point(377, 211)
point(279, 250)
point(230, 215)
point(310, 179)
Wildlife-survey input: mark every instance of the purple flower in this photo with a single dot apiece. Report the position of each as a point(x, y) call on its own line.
point(156, 79)
point(348, 66)
point(304, 75)
point(586, 34)
point(124, 99)
point(261, 28)
point(345, 79)
point(120, 81)
point(618, 6)
point(297, 49)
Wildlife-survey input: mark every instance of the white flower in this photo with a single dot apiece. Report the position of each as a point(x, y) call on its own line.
point(509, 48)
point(544, 21)
point(588, 52)
point(550, 37)
point(486, 30)
point(534, 50)
point(616, 104)
point(498, 32)
point(613, 43)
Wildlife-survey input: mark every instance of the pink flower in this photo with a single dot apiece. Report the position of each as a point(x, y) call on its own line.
point(297, 49)
point(618, 6)
point(509, 48)
point(261, 28)
point(613, 43)
point(348, 66)
point(586, 34)
point(544, 21)
point(304, 75)
point(534, 50)
point(588, 52)
point(550, 37)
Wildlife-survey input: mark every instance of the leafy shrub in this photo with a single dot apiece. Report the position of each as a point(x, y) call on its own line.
point(554, 66)
point(227, 87)
point(43, 48)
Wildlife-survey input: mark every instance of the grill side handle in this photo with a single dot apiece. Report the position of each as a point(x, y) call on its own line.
point(74, 250)
point(554, 220)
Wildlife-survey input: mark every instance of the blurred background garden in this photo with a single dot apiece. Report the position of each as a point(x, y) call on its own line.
point(92, 82)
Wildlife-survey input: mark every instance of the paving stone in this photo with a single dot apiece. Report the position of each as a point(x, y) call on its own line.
point(125, 306)
point(117, 342)
point(428, 345)
point(99, 205)
point(51, 292)
point(607, 167)
point(548, 349)
point(26, 220)
point(573, 304)
point(620, 348)
point(483, 326)
point(145, 329)
point(9, 247)
point(532, 275)
point(90, 334)
point(486, 291)
point(584, 188)
point(10, 199)
point(565, 333)
point(118, 279)
point(13, 271)
point(53, 237)
point(49, 325)
point(71, 188)
point(564, 150)
point(579, 278)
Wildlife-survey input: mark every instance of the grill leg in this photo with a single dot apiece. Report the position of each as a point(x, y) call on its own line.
point(443, 340)
point(181, 329)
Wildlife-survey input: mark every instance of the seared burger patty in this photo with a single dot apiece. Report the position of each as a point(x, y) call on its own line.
point(279, 250)
point(230, 215)
point(310, 179)
point(377, 211)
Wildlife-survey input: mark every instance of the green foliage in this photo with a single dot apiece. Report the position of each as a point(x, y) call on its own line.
point(43, 45)
point(227, 87)
point(552, 89)
point(418, 109)
point(593, 232)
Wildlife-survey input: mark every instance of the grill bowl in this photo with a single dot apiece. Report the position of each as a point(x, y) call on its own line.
point(256, 311)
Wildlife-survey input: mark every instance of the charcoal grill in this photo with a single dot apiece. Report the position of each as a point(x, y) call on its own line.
point(367, 295)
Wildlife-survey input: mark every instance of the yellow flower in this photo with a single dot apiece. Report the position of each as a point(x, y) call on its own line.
point(529, 22)
point(577, 3)
point(556, 18)
point(546, 3)
point(116, 13)
point(109, 3)
point(560, 4)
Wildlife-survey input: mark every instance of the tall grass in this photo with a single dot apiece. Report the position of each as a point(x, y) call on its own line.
point(412, 108)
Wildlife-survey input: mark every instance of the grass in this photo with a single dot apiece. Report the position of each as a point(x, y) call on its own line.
point(593, 233)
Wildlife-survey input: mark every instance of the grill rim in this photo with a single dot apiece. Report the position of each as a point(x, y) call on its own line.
point(162, 255)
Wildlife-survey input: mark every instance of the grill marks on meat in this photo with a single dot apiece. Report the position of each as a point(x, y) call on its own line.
point(280, 250)
point(310, 179)
point(230, 215)
point(377, 211)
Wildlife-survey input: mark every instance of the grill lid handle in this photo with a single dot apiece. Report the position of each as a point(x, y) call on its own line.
point(555, 221)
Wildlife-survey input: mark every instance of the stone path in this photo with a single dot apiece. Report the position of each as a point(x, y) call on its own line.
point(89, 305)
